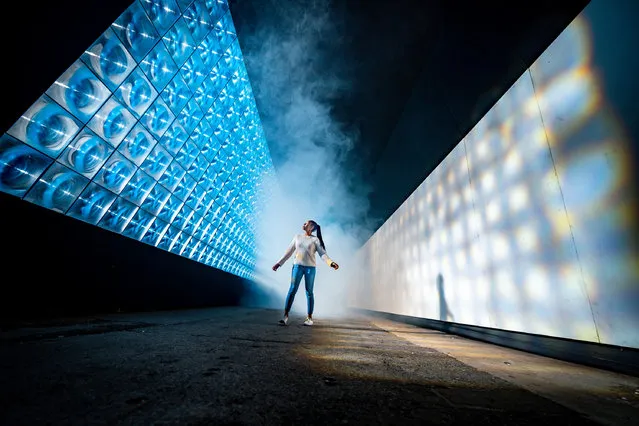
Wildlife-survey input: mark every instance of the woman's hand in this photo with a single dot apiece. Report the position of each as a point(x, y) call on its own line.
point(334, 266)
point(276, 266)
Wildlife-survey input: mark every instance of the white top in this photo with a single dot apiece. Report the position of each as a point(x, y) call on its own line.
point(305, 246)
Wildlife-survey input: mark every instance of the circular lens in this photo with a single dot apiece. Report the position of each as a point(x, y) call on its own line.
point(94, 205)
point(178, 140)
point(80, 93)
point(177, 95)
point(138, 32)
point(115, 174)
point(88, 154)
point(159, 163)
point(196, 24)
point(15, 167)
point(139, 94)
point(139, 145)
point(113, 60)
point(161, 14)
point(47, 128)
point(159, 118)
point(206, 54)
point(160, 67)
point(189, 72)
point(59, 190)
point(136, 189)
point(116, 218)
point(115, 122)
point(179, 42)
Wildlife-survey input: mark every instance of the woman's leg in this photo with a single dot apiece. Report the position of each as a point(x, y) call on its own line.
point(296, 278)
point(309, 282)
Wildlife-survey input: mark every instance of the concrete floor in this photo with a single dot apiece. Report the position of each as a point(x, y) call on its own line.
point(236, 366)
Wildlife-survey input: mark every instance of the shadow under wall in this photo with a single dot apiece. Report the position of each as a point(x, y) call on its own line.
point(257, 296)
point(55, 266)
point(620, 359)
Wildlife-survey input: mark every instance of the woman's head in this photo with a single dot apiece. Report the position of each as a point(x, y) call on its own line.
point(310, 226)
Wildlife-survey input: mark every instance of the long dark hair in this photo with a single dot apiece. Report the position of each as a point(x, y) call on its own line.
point(319, 233)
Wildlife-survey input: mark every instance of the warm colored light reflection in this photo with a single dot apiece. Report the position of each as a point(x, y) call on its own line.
point(530, 223)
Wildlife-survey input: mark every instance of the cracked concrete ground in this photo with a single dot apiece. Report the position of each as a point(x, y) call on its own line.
point(236, 366)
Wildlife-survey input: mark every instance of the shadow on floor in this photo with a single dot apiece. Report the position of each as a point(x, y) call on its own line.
point(236, 366)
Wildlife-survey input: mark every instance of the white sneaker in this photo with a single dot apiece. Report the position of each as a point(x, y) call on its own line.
point(308, 321)
point(283, 321)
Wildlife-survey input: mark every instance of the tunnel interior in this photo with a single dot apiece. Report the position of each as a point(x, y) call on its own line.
point(499, 157)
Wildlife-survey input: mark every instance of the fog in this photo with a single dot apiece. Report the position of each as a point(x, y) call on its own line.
point(296, 82)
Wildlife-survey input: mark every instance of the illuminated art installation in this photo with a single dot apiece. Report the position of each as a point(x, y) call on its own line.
point(530, 223)
point(152, 133)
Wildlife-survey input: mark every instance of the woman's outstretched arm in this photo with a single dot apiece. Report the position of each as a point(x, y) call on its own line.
point(287, 254)
point(324, 255)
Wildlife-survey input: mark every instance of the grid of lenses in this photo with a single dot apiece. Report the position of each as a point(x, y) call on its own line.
point(152, 133)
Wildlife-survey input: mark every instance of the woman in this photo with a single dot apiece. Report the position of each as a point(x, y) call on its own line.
point(304, 246)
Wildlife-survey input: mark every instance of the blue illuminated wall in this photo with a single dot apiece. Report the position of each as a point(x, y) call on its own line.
point(152, 133)
point(531, 223)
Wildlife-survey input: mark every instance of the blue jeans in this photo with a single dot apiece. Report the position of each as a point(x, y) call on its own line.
point(299, 271)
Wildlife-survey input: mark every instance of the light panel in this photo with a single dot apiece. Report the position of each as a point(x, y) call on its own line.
point(152, 133)
point(530, 223)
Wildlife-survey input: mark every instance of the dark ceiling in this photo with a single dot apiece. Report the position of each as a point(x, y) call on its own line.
point(469, 52)
point(43, 40)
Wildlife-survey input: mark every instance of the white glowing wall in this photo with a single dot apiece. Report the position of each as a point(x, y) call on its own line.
point(530, 223)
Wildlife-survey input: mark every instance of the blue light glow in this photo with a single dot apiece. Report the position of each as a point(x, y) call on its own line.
point(152, 133)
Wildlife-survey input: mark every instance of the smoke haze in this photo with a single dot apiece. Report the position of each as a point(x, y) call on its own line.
point(296, 82)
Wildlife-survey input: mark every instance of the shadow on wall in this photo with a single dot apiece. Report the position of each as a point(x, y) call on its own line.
point(444, 311)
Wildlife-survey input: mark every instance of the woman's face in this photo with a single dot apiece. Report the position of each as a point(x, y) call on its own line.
point(308, 226)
